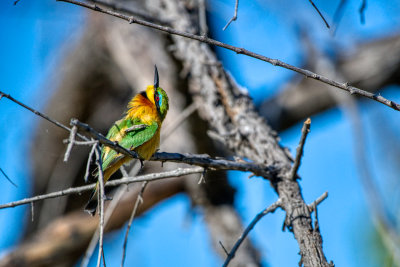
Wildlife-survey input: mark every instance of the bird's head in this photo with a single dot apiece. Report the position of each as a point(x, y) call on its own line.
point(158, 96)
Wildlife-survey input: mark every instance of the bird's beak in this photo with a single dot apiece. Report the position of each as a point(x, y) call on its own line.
point(156, 81)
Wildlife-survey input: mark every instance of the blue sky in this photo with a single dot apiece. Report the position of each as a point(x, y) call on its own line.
point(37, 34)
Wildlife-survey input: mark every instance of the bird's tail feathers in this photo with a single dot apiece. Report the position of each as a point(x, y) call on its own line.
point(91, 206)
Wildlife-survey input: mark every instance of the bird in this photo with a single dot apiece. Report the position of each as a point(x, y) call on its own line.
point(138, 130)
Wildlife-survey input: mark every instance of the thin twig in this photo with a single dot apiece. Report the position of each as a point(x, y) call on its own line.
point(139, 200)
point(124, 180)
point(300, 148)
point(71, 142)
point(318, 201)
point(222, 245)
point(258, 217)
point(319, 13)
point(5, 175)
point(362, 11)
point(59, 124)
point(110, 209)
point(309, 74)
point(87, 172)
point(101, 196)
point(234, 16)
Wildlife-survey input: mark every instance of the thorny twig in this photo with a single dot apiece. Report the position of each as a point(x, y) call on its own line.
point(309, 74)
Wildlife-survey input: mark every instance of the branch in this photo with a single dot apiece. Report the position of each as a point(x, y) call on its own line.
point(319, 13)
point(8, 178)
point(59, 124)
point(61, 242)
point(258, 217)
point(101, 197)
point(299, 151)
point(318, 201)
point(124, 180)
point(234, 16)
point(309, 74)
point(199, 160)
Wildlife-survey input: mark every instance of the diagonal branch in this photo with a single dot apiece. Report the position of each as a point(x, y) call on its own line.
point(257, 218)
point(309, 74)
point(124, 180)
point(319, 13)
point(299, 151)
point(234, 16)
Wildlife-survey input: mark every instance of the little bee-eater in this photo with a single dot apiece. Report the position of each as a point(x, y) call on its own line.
point(139, 131)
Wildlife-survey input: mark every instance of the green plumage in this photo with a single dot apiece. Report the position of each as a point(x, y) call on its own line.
point(127, 139)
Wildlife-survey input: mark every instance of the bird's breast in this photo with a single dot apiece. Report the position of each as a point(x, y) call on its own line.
point(147, 150)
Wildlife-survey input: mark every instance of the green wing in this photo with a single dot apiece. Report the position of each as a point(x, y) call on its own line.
point(130, 139)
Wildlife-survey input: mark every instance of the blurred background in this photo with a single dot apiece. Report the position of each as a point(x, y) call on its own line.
point(69, 62)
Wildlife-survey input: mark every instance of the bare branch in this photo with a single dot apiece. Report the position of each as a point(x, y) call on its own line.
point(5, 175)
point(71, 142)
point(224, 249)
point(101, 196)
point(199, 160)
point(318, 201)
point(319, 13)
point(124, 180)
point(299, 151)
point(309, 74)
point(59, 124)
point(234, 16)
point(110, 210)
point(139, 201)
point(258, 217)
point(87, 172)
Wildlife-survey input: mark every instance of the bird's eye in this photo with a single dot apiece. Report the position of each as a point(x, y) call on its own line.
point(157, 98)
